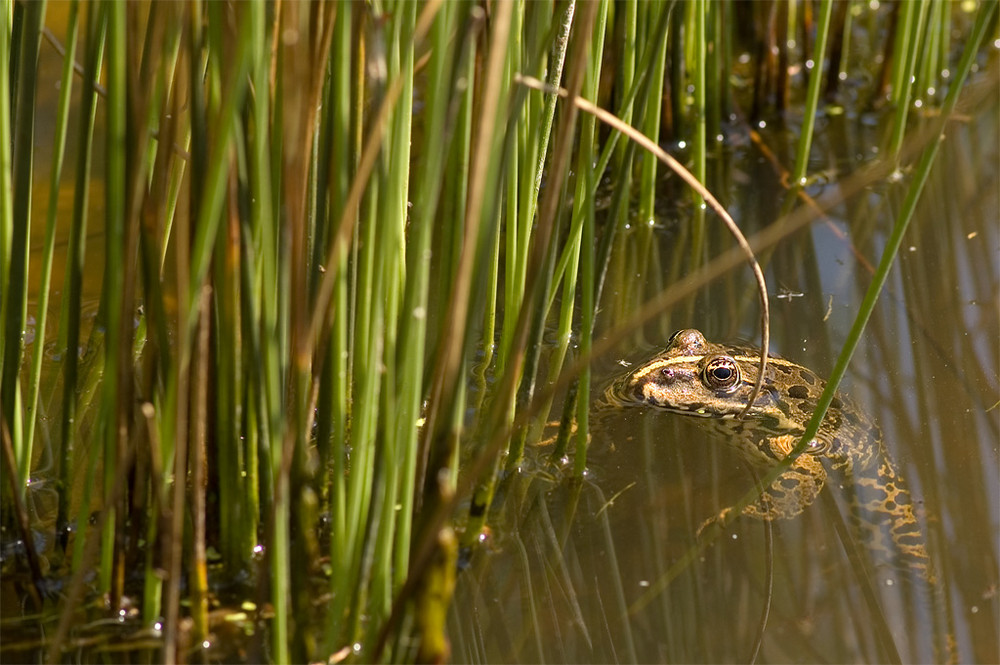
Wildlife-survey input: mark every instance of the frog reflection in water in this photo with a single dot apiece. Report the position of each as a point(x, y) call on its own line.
point(696, 377)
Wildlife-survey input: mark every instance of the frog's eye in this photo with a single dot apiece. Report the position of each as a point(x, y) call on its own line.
point(721, 373)
point(818, 446)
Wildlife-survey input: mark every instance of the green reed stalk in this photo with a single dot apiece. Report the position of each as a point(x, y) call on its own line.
point(364, 410)
point(531, 317)
point(679, 37)
point(480, 206)
point(227, 355)
point(15, 286)
point(174, 188)
point(649, 15)
point(621, 197)
point(59, 145)
point(626, 15)
point(926, 57)
point(444, 456)
point(69, 322)
point(410, 355)
point(532, 150)
point(944, 45)
point(812, 96)
point(518, 177)
point(908, 13)
point(577, 244)
point(174, 408)
point(390, 277)
point(699, 147)
point(716, 82)
point(154, 233)
point(639, 89)
point(6, 167)
point(525, 220)
point(908, 49)
point(213, 192)
point(298, 85)
point(586, 241)
point(259, 282)
point(114, 278)
point(845, 45)
point(335, 394)
point(723, 34)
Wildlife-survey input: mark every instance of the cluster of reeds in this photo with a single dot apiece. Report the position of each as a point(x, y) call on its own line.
point(319, 222)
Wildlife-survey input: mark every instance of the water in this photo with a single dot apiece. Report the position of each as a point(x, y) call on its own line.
point(610, 570)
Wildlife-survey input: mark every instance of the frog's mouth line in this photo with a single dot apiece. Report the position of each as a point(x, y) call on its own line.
point(699, 410)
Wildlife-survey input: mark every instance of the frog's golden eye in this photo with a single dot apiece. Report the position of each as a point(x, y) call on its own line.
point(721, 373)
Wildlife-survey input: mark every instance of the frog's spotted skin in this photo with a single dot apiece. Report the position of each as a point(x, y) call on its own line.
point(696, 377)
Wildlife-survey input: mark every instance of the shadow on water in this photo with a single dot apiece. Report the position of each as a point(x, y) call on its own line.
point(587, 572)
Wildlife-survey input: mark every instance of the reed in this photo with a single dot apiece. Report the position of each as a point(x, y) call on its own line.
point(346, 255)
point(16, 243)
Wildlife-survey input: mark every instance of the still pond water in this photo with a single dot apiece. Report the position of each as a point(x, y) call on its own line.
point(604, 572)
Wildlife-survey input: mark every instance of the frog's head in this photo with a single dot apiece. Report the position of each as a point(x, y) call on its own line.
point(696, 377)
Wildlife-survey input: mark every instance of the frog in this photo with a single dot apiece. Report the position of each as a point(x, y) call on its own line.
point(713, 383)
